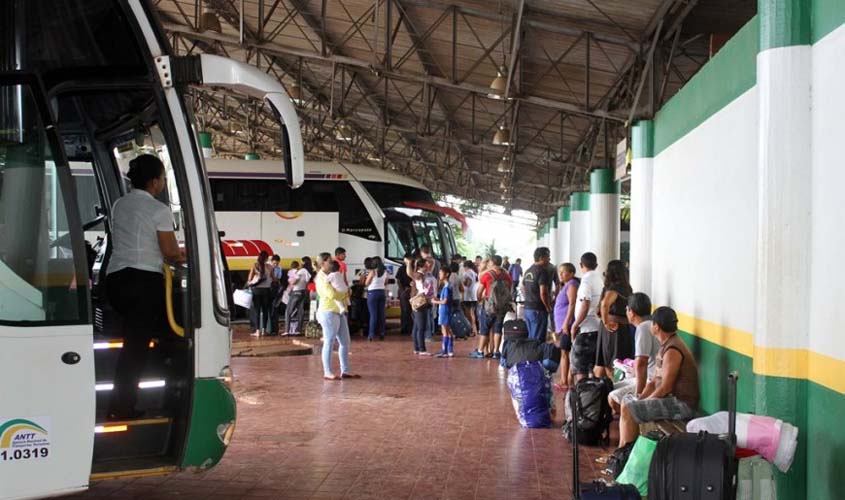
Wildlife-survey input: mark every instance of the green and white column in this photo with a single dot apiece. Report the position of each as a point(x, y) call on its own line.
point(604, 215)
point(553, 238)
point(642, 178)
point(205, 144)
point(784, 194)
point(579, 226)
point(563, 235)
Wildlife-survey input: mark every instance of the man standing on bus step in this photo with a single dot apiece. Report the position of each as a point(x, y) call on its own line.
point(536, 286)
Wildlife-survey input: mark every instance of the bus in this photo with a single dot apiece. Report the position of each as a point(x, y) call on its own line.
point(367, 211)
point(87, 85)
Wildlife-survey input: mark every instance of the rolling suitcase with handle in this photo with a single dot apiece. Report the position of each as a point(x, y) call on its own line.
point(698, 466)
point(595, 490)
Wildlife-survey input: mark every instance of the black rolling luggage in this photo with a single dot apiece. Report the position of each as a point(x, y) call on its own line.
point(596, 490)
point(696, 466)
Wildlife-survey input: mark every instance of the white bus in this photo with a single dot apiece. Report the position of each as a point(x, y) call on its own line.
point(368, 211)
point(91, 82)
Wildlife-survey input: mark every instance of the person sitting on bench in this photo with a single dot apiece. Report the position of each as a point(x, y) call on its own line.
point(673, 392)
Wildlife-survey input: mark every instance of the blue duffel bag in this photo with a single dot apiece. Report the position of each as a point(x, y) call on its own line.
point(531, 394)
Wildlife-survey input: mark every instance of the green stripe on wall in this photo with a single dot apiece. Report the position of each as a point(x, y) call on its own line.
point(727, 76)
point(553, 221)
point(826, 16)
point(579, 201)
point(563, 214)
point(602, 182)
point(784, 23)
point(642, 139)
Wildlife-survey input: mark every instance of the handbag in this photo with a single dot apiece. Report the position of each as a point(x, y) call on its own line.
point(419, 301)
point(243, 298)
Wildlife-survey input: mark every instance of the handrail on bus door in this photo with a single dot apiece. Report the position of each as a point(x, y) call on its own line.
point(168, 291)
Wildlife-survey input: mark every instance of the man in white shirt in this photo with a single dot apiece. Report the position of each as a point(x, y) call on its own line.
point(646, 347)
point(296, 302)
point(586, 326)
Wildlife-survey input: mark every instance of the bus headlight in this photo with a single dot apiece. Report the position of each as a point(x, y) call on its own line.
point(225, 432)
point(227, 377)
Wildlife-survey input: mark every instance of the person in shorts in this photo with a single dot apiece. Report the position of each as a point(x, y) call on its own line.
point(676, 399)
point(646, 347)
point(586, 325)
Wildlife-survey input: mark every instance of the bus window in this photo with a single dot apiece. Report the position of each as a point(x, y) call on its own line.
point(400, 240)
point(38, 272)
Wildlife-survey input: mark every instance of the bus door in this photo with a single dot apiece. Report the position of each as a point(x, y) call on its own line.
point(46, 356)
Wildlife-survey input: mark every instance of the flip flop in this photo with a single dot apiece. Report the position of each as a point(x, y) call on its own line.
point(349, 375)
point(333, 377)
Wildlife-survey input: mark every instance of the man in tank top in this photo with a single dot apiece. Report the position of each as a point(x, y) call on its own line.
point(672, 394)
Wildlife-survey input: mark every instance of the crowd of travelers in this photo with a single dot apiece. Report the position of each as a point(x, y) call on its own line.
point(596, 320)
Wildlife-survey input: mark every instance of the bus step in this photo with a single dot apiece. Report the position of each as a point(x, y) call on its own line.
point(138, 438)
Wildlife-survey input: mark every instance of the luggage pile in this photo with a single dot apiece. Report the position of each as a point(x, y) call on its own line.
point(699, 464)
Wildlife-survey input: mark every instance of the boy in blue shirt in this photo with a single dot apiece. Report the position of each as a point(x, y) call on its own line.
point(444, 313)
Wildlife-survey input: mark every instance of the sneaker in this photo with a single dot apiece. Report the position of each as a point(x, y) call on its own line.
point(497, 355)
point(425, 353)
point(489, 356)
point(255, 334)
point(476, 355)
point(440, 355)
point(451, 355)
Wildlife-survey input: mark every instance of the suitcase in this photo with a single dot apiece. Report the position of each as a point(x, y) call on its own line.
point(595, 490)
point(696, 466)
point(460, 324)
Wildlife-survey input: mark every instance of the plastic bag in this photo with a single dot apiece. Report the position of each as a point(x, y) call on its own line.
point(531, 394)
point(638, 464)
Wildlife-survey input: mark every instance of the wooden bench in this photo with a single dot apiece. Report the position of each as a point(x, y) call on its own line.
point(665, 426)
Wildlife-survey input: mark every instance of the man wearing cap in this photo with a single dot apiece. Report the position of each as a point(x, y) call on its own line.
point(672, 394)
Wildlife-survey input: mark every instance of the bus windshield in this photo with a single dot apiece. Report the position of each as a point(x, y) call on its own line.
point(408, 230)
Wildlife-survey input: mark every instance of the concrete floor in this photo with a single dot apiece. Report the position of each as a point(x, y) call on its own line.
point(419, 428)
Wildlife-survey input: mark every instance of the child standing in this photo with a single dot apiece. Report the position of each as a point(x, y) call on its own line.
point(444, 304)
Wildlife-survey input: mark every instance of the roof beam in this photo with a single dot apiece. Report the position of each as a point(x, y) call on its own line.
point(481, 90)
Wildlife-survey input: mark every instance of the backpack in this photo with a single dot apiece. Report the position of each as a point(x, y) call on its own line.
point(594, 413)
point(498, 303)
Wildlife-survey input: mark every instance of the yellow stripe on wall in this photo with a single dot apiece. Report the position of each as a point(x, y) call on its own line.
point(770, 361)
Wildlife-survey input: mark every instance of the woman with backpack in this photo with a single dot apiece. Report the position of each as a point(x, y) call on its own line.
point(494, 295)
point(615, 338)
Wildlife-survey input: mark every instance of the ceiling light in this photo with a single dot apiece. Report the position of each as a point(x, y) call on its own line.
point(498, 85)
point(504, 165)
point(502, 137)
point(210, 22)
point(504, 185)
point(372, 157)
point(343, 134)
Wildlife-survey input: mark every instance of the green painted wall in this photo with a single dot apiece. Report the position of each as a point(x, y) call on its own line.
point(825, 16)
point(727, 76)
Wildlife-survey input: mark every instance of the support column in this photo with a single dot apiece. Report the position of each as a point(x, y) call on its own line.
point(553, 238)
point(604, 216)
point(784, 228)
point(563, 235)
point(579, 226)
point(642, 175)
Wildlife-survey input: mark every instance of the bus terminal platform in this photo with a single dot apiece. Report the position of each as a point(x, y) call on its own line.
point(410, 428)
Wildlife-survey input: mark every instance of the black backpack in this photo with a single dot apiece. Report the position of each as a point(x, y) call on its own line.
point(594, 413)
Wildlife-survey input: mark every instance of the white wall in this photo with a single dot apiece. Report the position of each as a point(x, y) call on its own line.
point(828, 180)
point(705, 218)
